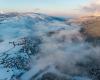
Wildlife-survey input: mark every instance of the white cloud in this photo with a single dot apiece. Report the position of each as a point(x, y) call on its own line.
point(92, 7)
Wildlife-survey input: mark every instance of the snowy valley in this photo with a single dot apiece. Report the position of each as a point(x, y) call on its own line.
point(36, 46)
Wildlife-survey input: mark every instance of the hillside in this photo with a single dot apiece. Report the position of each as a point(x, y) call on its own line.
point(92, 27)
point(35, 46)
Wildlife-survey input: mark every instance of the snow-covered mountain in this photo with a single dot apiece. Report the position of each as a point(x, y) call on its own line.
point(36, 46)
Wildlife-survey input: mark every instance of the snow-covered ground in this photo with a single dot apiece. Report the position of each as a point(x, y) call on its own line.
point(32, 44)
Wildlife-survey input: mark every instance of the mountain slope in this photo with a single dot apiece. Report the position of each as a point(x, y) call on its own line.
point(36, 46)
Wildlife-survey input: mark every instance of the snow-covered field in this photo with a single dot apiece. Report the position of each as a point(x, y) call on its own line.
point(35, 46)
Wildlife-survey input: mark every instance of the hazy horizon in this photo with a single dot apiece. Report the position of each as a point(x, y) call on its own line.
point(53, 7)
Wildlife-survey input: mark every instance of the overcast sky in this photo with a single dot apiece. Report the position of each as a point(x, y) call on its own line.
point(56, 7)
